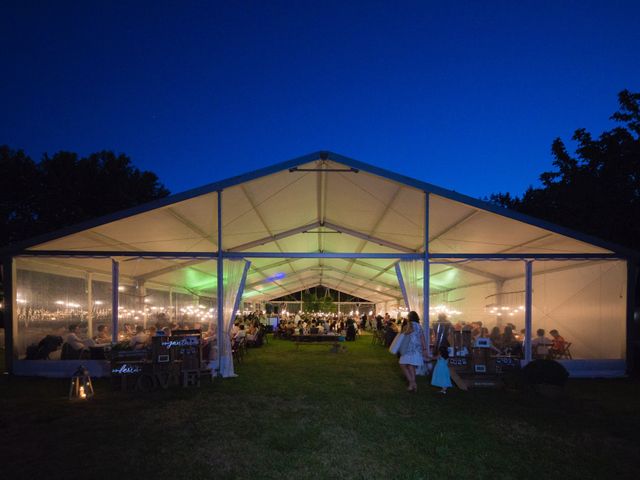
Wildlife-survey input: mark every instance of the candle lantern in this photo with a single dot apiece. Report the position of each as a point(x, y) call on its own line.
point(81, 387)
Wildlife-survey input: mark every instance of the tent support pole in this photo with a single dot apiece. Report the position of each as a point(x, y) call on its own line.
point(426, 273)
point(527, 310)
point(115, 284)
point(90, 305)
point(142, 297)
point(220, 292)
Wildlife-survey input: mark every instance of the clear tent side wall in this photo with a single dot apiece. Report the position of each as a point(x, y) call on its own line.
point(474, 295)
point(578, 303)
point(585, 302)
point(54, 293)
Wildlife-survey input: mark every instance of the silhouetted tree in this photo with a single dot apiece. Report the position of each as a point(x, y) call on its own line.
point(596, 190)
point(63, 189)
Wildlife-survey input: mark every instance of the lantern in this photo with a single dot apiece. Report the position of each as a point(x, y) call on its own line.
point(81, 387)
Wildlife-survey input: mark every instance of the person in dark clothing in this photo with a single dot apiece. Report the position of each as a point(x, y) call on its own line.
point(351, 330)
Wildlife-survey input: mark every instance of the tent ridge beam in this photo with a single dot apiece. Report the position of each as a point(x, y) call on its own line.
point(369, 238)
point(375, 227)
point(524, 256)
point(391, 256)
point(359, 287)
point(274, 237)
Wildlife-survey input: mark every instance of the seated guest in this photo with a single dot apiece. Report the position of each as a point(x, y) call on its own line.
point(541, 344)
point(508, 338)
point(495, 336)
point(252, 333)
point(75, 342)
point(152, 333)
point(235, 329)
point(128, 330)
point(140, 339)
point(558, 344)
point(242, 333)
point(103, 335)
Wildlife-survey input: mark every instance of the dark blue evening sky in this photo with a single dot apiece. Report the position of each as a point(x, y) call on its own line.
point(466, 95)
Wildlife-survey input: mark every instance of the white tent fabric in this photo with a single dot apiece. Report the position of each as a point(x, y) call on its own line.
point(410, 274)
point(234, 270)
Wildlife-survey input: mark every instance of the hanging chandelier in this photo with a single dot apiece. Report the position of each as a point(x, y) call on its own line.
point(505, 303)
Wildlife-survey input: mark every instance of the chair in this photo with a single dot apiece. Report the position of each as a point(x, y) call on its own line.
point(70, 353)
point(563, 353)
point(541, 351)
point(238, 349)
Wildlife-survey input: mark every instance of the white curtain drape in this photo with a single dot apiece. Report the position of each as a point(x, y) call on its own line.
point(234, 276)
point(409, 272)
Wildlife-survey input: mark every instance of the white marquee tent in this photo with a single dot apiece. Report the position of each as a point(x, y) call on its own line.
point(324, 219)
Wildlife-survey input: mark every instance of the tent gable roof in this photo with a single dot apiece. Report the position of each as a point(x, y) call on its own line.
point(293, 165)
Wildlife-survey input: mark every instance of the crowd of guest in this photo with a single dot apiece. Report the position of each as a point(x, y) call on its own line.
point(505, 339)
point(251, 327)
point(348, 326)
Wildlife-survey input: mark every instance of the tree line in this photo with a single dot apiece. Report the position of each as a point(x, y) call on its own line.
point(595, 189)
point(64, 189)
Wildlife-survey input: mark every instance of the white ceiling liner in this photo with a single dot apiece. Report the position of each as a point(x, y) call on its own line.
point(303, 211)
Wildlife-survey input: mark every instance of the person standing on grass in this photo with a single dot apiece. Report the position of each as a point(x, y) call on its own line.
point(441, 376)
point(415, 352)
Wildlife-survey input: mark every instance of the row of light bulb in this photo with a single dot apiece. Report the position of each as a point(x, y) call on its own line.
point(438, 309)
point(511, 311)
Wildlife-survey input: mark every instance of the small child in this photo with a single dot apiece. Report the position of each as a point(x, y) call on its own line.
point(441, 377)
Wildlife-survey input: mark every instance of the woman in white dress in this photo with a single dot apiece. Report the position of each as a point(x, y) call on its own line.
point(415, 352)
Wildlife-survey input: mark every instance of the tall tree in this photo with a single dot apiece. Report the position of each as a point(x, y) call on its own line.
point(63, 189)
point(597, 189)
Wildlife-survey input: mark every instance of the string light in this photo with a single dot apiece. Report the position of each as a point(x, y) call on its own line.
point(439, 309)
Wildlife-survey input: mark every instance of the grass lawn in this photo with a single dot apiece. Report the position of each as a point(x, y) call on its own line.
point(309, 413)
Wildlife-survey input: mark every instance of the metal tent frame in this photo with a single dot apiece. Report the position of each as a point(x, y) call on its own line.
point(23, 249)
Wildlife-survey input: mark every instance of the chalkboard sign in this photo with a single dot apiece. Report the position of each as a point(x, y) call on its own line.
point(186, 348)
